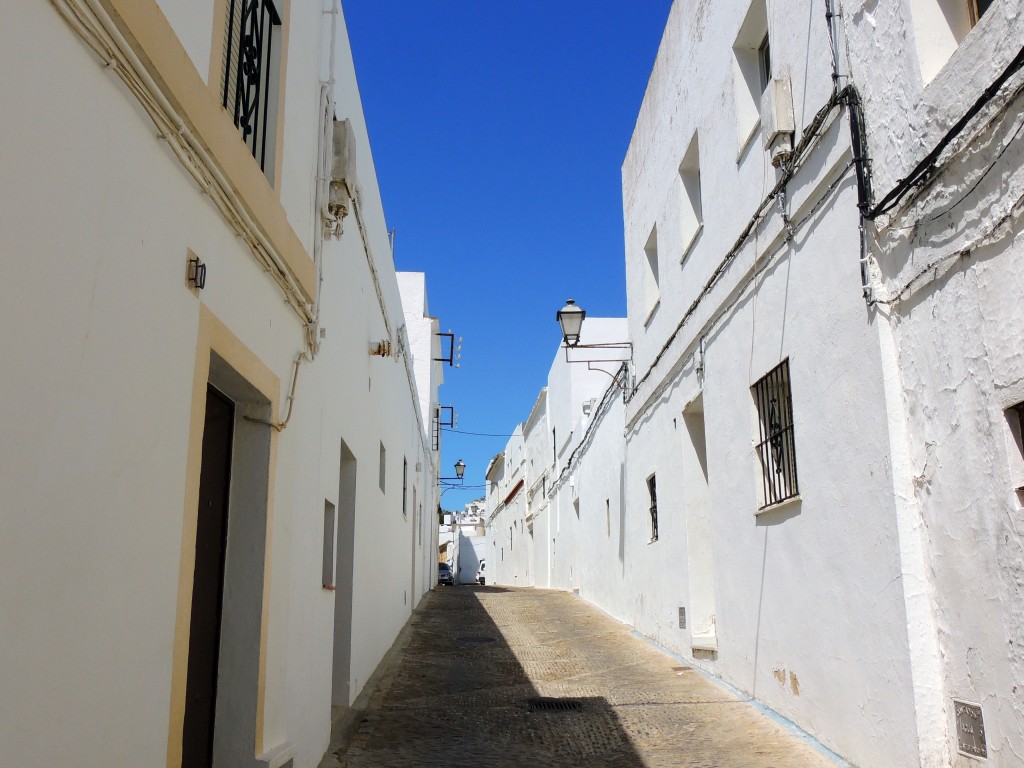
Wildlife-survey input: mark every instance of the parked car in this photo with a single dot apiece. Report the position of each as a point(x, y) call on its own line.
point(480, 575)
point(444, 574)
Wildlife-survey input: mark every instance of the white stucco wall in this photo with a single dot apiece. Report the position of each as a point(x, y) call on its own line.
point(951, 329)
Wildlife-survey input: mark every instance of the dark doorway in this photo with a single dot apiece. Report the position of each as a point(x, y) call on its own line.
point(208, 582)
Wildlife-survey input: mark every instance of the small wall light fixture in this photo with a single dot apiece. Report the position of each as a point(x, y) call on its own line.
point(197, 272)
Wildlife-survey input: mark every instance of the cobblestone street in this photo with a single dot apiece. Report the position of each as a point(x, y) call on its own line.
point(457, 691)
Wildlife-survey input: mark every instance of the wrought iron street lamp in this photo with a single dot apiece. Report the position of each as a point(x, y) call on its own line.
point(570, 317)
point(460, 470)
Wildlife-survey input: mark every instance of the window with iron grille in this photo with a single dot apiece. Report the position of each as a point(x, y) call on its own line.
point(249, 77)
point(776, 448)
point(652, 491)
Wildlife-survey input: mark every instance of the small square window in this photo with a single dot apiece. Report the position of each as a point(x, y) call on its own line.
point(651, 290)
point(752, 69)
point(691, 208)
point(776, 448)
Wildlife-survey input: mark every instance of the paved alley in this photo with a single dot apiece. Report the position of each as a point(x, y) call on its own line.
point(463, 685)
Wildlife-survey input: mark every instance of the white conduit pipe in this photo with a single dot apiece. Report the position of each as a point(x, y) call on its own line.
point(357, 207)
point(92, 23)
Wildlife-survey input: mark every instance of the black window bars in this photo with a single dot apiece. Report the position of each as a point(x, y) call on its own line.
point(249, 68)
point(777, 448)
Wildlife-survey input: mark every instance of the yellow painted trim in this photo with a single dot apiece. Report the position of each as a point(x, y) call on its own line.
point(214, 336)
point(153, 40)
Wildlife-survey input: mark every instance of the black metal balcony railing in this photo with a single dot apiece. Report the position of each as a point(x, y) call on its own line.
point(777, 447)
point(249, 72)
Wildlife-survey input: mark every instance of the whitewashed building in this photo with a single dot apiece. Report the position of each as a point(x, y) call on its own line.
point(533, 518)
point(946, 258)
point(818, 495)
point(216, 408)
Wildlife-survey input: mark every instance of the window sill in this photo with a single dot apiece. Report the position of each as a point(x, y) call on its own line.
point(704, 642)
point(692, 243)
point(651, 313)
point(792, 501)
point(747, 142)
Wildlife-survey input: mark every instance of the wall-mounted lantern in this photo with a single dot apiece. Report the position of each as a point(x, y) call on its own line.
point(460, 470)
point(570, 318)
point(196, 272)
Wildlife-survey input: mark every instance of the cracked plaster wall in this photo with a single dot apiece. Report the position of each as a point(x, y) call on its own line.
point(951, 259)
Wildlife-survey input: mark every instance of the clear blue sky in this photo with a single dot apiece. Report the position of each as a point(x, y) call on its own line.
point(498, 130)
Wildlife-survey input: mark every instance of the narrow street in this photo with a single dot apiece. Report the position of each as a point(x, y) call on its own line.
point(457, 691)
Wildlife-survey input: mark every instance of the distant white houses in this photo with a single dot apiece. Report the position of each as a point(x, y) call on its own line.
point(217, 479)
point(461, 542)
point(808, 481)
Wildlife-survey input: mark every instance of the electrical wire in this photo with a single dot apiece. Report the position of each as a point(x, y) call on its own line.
point(596, 419)
point(990, 236)
point(810, 137)
point(981, 178)
point(924, 170)
point(481, 434)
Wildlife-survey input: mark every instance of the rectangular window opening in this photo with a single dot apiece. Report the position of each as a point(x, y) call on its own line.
point(752, 68)
point(691, 209)
point(776, 447)
point(405, 487)
point(651, 281)
point(383, 467)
